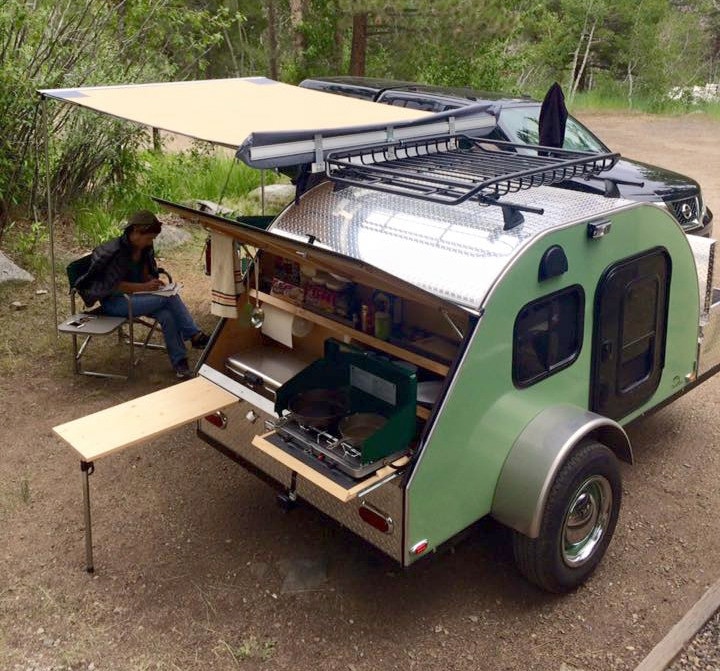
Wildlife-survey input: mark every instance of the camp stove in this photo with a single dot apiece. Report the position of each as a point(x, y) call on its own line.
point(322, 444)
point(369, 385)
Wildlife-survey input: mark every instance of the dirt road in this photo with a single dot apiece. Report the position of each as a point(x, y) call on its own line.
point(194, 559)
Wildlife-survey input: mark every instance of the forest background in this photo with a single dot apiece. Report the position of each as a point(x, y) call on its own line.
point(629, 53)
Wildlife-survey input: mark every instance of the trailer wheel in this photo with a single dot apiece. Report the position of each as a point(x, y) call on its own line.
point(578, 521)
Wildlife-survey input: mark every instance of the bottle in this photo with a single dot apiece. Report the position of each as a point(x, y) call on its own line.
point(366, 321)
point(382, 325)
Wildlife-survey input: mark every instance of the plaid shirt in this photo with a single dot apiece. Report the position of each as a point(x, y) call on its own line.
point(110, 265)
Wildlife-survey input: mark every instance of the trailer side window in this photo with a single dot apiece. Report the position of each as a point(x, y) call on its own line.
point(548, 335)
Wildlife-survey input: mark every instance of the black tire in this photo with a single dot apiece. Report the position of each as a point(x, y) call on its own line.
point(589, 482)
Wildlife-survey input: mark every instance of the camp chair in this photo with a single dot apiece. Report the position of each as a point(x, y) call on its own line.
point(91, 323)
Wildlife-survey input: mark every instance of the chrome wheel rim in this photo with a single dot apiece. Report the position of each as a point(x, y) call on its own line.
point(586, 520)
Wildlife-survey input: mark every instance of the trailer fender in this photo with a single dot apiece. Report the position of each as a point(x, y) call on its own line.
point(536, 456)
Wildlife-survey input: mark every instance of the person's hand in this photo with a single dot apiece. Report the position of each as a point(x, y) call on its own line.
point(153, 284)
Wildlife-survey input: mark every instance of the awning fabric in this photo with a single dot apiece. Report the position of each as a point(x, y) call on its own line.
point(269, 123)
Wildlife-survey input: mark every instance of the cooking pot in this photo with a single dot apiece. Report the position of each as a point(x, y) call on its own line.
point(359, 426)
point(319, 407)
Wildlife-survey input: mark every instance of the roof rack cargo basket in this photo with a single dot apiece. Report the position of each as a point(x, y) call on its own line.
point(453, 169)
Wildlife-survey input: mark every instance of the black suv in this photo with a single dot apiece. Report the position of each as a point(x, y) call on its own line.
point(518, 122)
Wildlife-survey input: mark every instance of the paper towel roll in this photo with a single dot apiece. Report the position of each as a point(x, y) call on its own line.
point(281, 325)
point(278, 324)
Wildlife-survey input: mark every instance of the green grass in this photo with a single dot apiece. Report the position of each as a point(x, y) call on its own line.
point(178, 176)
point(597, 101)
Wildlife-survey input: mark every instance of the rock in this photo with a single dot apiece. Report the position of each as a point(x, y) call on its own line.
point(9, 272)
point(171, 236)
point(212, 208)
point(276, 195)
point(18, 305)
point(41, 292)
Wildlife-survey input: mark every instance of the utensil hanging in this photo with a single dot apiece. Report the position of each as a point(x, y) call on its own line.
point(257, 316)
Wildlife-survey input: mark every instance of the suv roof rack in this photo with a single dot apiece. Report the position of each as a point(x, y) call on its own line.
point(453, 169)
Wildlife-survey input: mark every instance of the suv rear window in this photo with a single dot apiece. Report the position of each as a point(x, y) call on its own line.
point(414, 101)
point(523, 123)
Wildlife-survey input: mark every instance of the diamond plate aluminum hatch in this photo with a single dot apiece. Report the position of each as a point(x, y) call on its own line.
point(389, 498)
point(455, 252)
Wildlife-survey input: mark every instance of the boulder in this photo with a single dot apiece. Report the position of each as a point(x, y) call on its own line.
point(277, 196)
point(9, 272)
point(213, 207)
point(171, 236)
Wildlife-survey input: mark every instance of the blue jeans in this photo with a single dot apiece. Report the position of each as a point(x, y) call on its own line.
point(176, 322)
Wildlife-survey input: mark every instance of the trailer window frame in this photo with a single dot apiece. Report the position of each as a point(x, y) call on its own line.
point(548, 335)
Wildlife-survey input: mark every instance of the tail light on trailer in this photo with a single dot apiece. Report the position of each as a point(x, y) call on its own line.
point(218, 419)
point(375, 518)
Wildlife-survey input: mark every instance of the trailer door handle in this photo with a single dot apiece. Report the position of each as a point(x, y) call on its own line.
point(606, 350)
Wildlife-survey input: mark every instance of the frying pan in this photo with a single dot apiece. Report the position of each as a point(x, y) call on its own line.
point(359, 426)
point(319, 407)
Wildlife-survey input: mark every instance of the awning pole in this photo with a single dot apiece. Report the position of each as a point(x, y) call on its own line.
point(46, 124)
point(262, 192)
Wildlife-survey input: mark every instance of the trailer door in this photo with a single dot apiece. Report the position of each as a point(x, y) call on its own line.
point(630, 326)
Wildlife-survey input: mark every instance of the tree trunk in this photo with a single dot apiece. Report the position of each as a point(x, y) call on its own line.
point(338, 38)
point(359, 44)
point(576, 57)
point(272, 38)
point(297, 15)
point(585, 60)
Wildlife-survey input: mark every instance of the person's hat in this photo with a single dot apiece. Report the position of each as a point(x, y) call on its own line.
point(145, 222)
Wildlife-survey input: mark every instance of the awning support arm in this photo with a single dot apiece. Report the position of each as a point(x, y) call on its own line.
point(453, 325)
point(51, 226)
point(319, 163)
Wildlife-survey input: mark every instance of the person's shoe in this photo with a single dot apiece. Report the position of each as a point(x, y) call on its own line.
point(200, 340)
point(182, 370)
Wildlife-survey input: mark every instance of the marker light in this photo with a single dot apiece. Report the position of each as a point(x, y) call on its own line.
point(375, 518)
point(218, 419)
point(420, 547)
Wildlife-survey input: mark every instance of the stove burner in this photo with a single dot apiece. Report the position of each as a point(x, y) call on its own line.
point(323, 445)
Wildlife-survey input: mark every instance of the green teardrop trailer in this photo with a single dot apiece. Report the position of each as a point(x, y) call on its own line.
point(541, 327)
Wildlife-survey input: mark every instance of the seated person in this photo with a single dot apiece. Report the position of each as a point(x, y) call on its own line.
point(126, 265)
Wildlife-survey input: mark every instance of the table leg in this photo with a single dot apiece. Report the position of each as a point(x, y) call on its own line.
point(87, 468)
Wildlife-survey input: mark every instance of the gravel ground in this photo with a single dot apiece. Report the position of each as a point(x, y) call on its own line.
point(703, 652)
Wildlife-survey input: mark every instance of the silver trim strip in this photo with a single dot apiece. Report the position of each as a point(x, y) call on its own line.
point(378, 484)
point(236, 388)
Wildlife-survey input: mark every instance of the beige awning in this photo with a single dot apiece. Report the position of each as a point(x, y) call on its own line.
point(256, 112)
